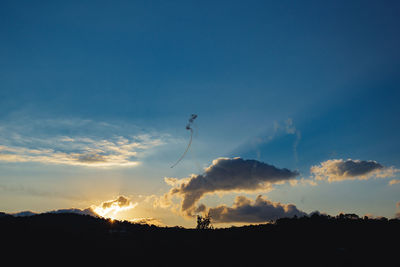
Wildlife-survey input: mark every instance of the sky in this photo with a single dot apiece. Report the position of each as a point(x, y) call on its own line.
point(297, 106)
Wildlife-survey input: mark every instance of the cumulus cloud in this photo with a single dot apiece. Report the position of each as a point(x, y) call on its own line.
point(82, 148)
point(110, 208)
point(225, 175)
point(339, 170)
point(245, 210)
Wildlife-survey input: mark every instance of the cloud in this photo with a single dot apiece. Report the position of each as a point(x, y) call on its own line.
point(149, 221)
point(278, 130)
point(88, 211)
point(110, 208)
point(245, 210)
point(340, 170)
point(24, 213)
point(107, 209)
point(121, 201)
point(394, 181)
point(291, 129)
point(100, 145)
point(303, 181)
point(225, 175)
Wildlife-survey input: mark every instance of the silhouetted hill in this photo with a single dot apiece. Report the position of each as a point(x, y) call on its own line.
point(315, 241)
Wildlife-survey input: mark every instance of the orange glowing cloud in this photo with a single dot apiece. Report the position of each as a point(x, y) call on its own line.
point(110, 209)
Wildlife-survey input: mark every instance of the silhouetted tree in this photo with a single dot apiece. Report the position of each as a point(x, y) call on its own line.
point(204, 222)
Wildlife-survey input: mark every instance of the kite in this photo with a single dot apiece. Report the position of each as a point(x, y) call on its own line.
point(188, 127)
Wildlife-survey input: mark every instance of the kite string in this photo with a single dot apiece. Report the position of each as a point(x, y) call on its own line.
point(187, 148)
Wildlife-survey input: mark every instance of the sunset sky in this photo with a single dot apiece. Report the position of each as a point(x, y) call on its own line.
point(297, 103)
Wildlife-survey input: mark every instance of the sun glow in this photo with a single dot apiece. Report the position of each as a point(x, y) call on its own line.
point(111, 212)
point(110, 209)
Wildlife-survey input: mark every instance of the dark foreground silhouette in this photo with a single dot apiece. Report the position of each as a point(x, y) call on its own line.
point(60, 239)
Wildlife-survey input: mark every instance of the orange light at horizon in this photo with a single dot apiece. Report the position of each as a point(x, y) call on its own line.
point(112, 211)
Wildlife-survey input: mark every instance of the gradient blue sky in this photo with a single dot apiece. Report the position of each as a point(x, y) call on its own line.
point(292, 84)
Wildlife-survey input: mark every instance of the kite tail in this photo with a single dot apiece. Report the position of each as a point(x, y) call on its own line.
point(187, 148)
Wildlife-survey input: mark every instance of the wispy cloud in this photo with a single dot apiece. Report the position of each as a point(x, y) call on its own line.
point(303, 181)
point(394, 181)
point(279, 129)
point(87, 144)
point(291, 129)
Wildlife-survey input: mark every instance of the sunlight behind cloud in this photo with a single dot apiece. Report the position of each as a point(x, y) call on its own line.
point(110, 209)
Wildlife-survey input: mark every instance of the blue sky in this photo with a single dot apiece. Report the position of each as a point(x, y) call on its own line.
point(289, 84)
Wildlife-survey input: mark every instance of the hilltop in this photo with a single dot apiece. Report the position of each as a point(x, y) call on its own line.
point(317, 240)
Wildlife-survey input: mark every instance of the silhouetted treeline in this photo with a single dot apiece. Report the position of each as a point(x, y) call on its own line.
point(319, 240)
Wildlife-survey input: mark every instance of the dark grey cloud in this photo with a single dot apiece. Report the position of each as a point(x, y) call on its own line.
point(106, 209)
point(121, 201)
point(149, 221)
point(227, 175)
point(245, 210)
point(89, 158)
point(24, 213)
point(339, 170)
point(88, 211)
